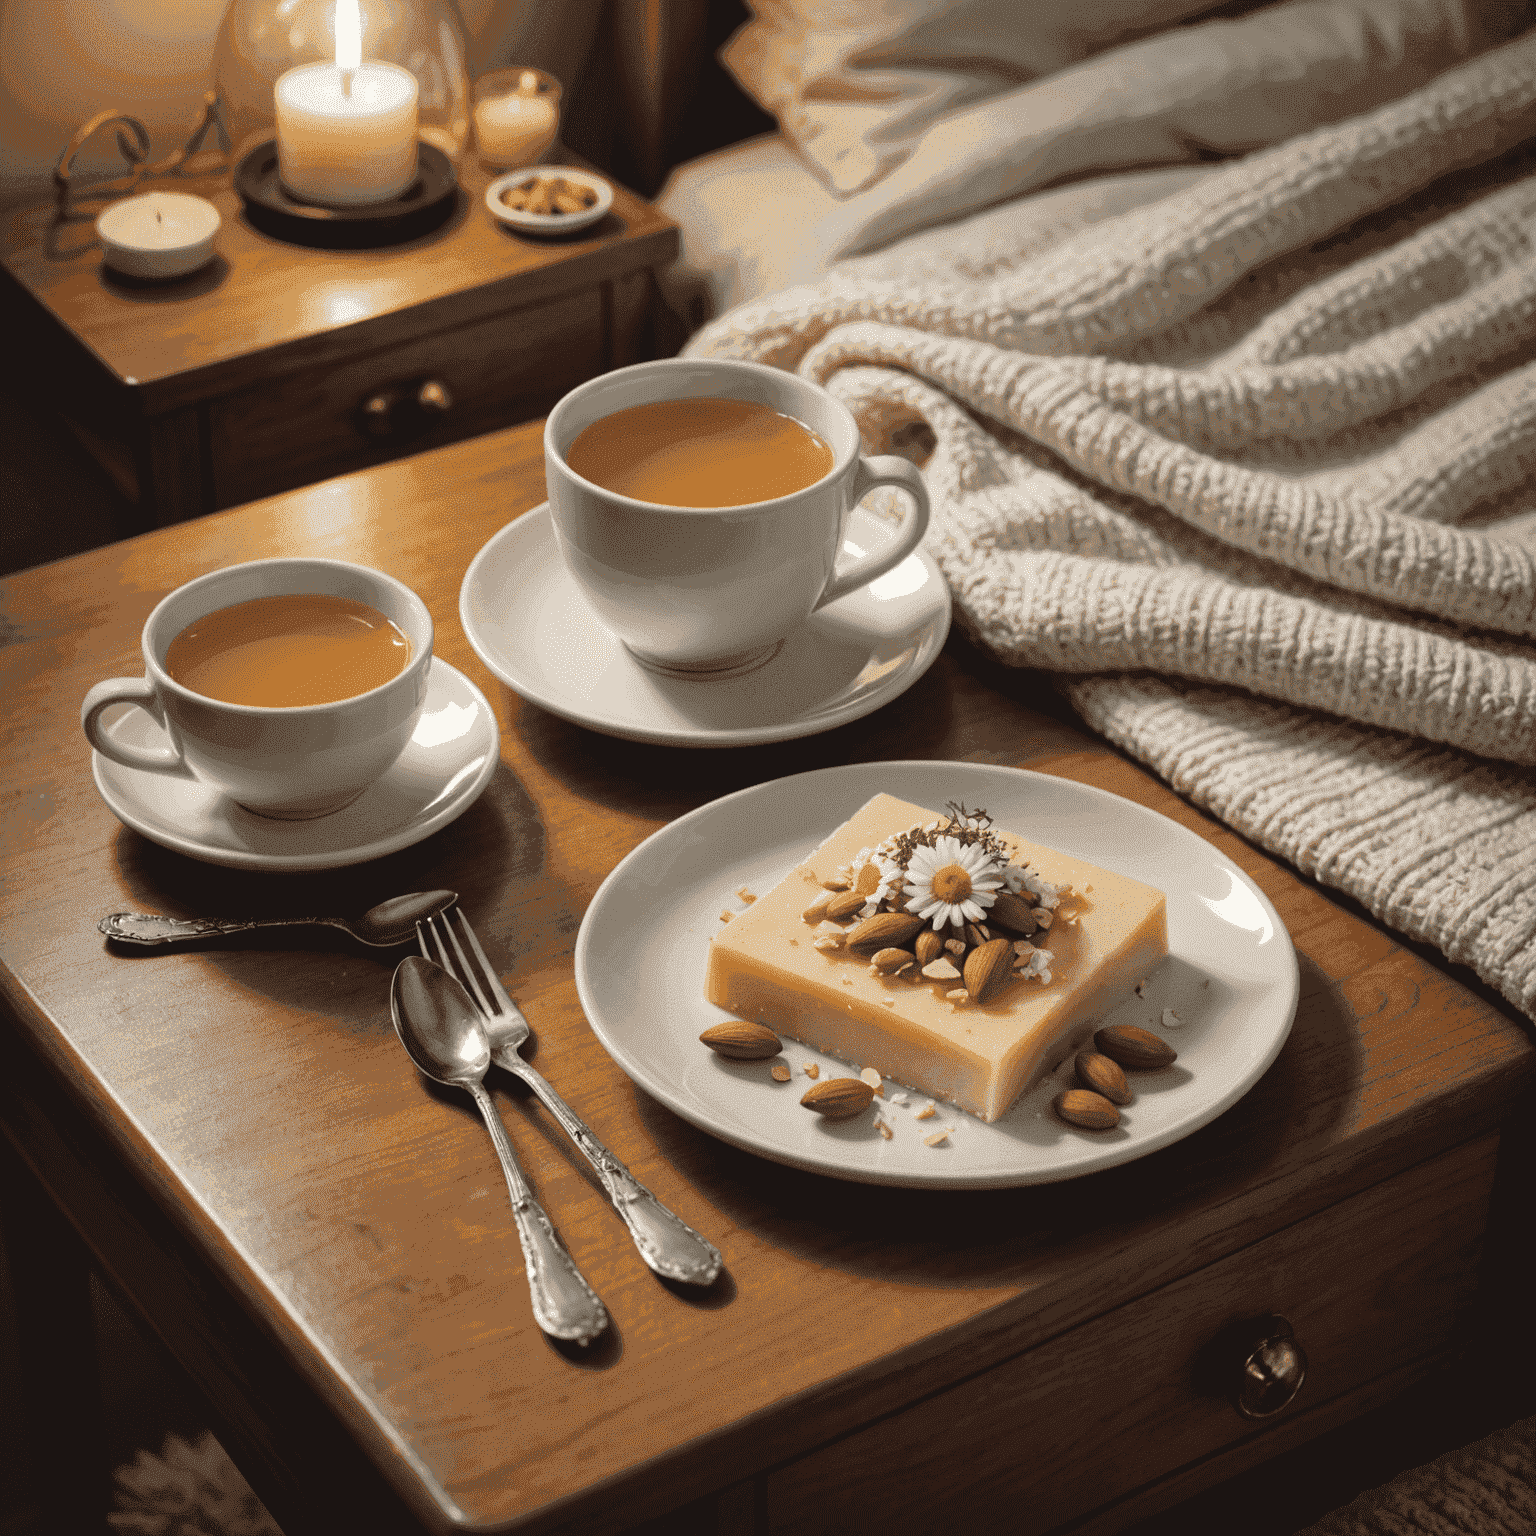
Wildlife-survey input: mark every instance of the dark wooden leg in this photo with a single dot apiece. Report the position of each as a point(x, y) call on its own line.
point(57, 1380)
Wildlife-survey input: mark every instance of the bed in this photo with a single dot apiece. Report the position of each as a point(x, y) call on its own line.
point(1212, 335)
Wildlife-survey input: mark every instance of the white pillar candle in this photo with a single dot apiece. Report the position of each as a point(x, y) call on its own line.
point(517, 128)
point(158, 234)
point(346, 136)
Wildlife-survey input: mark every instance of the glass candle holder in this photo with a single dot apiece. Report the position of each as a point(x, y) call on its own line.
point(261, 40)
point(517, 116)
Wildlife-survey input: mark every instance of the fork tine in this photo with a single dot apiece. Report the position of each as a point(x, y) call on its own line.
point(492, 980)
point(469, 976)
point(463, 972)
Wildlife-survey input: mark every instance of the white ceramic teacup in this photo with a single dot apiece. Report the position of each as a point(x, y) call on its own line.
point(292, 763)
point(713, 591)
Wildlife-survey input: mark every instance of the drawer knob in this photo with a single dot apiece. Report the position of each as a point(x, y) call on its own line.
point(407, 409)
point(378, 413)
point(1271, 1373)
point(433, 398)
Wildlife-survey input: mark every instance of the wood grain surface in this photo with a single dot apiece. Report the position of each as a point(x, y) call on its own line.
point(325, 1241)
point(264, 307)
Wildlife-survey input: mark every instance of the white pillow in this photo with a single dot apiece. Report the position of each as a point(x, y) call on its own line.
point(855, 84)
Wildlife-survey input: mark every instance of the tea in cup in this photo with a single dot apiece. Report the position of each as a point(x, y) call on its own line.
point(289, 685)
point(699, 505)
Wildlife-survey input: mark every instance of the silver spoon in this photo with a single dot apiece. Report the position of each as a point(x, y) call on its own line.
point(390, 923)
point(441, 1031)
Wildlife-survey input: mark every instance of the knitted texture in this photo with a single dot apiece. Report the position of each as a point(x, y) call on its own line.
point(1485, 1489)
point(1257, 452)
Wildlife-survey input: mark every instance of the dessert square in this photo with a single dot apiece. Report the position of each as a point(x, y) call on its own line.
point(1036, 999)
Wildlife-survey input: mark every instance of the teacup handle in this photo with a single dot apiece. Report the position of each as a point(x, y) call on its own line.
point(140, 692)
point(887, 469)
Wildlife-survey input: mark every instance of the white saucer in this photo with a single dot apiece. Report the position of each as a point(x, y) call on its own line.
point(447, 763)
point(530, 625)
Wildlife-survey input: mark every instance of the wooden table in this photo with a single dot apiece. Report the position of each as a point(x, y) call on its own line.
point(280, 365)
point(325, 1244)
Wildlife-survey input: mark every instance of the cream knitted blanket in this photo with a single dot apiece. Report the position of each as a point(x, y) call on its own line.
point(1250, 468)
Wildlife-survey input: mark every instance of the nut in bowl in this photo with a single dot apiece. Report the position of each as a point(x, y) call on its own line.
point(548, 199)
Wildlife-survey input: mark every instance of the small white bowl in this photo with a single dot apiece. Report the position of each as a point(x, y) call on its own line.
point(548, 223)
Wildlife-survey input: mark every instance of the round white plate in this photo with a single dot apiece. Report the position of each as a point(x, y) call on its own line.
point(1231, 975)
point(529, 624)
point(447, 763)
point(548, 223)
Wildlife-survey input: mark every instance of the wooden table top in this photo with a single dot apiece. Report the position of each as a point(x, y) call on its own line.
point(358, 1218)
point(263, 305)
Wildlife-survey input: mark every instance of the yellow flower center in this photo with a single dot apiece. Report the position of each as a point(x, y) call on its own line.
point(951, 884)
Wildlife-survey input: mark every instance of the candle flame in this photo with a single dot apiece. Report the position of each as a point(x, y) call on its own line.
point(349, 34)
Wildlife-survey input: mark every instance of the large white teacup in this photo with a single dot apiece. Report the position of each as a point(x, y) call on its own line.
point(713, 591)
point(293, 763)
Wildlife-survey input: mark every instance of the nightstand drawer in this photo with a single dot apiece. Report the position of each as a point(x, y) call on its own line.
point(336, 418)
point(1370, 1286)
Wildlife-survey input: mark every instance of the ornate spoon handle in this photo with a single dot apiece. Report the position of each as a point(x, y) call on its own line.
point(564, 1305)
point(150, 928)
point(665, 1241)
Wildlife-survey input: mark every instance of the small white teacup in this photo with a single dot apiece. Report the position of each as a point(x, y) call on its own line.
point(713, 591)
point(293, 763)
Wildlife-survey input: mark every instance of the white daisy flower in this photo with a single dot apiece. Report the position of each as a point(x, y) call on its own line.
point(952, 882)
point(1014, 876)
point(891, 876)
point(854, 867)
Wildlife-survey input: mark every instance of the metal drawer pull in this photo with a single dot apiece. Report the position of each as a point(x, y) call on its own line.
point(433, 397)
point(1272, 1373)
point(408, 408)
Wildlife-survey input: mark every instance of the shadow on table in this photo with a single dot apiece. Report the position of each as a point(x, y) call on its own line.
point(487, 855)
point(970, 1237)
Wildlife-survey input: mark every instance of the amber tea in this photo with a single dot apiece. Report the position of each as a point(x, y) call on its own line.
point(280, 652)
point(700, 453)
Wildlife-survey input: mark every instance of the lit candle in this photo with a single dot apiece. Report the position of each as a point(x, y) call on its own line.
point(346, 132)
point(158, 234)
point(517, 128)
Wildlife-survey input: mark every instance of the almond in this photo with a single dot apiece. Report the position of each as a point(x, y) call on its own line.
point(742, 1040)
point(834, 884)
point(1091, 1111)
point(940, 970)
point(1104, 1076)
point(928, 946)
point(885, 930)
point(1010, 912)
point(841, 908)
point(818, 908)
point(891, 962)
point(868, 881)
point(1136, 1048)
point(987, 968)
point(839, 1097)
point(976, 935)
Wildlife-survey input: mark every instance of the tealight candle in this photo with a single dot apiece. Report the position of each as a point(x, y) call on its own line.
point(346, 132)
point(516, 128)
point(158, 234)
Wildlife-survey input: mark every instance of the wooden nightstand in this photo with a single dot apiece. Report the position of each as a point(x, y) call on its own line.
point(280, 365)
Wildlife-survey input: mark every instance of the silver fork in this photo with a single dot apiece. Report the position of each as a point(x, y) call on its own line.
point(667, 1243)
